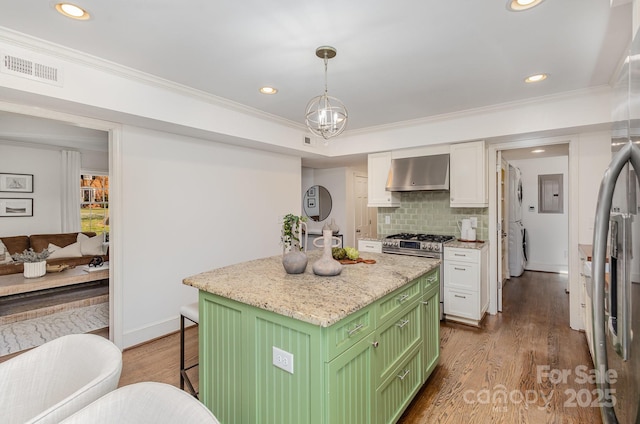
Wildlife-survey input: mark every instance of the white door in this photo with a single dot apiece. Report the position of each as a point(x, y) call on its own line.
point(502, 191)
point(363, 221)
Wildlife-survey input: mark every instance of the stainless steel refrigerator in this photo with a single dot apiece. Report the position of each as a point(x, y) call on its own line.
point(616, 299)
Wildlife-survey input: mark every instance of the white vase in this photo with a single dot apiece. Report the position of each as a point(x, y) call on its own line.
point(35, 269)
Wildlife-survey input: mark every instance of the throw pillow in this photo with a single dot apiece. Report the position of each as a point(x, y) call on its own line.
point(5, 258)
point(70, 251)
point(91, 246)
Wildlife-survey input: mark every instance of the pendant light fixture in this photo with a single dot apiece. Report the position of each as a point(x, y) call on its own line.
point(326, 116)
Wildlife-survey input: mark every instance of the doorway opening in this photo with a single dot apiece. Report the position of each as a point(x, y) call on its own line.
point(46, 130)
point(523, 238)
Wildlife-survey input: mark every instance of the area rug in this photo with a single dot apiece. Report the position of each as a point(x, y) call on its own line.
point(33, 332)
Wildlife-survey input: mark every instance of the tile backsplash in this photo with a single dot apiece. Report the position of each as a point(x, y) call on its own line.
point(429, 212)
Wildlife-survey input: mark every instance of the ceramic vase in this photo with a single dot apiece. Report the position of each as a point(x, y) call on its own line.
point(334, 227)
point(35, 269)
point(295, 261)
point(326, 265)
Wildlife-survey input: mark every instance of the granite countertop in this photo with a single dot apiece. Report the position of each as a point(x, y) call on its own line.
point(466, 244)
point(322, 301)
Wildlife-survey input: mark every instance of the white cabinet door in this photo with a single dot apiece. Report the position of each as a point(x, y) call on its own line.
point(462, 275)
point(461, 304)
point(378, 172)
point(468, 175)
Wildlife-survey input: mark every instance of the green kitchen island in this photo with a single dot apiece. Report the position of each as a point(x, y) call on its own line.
point(298, 349)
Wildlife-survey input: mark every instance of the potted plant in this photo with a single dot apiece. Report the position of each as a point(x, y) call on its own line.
point(293, 259)
point(35, 264)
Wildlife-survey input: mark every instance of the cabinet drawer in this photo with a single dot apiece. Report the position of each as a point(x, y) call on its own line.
point(464, 255)
point(396, 338)
point(373, 246)
point(462, 275)
point(432, 279)
point(394, 302)
point(347, 332)
point(396, 392)
point(461, 303)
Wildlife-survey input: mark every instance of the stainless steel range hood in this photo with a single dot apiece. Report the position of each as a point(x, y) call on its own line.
point(419, 173)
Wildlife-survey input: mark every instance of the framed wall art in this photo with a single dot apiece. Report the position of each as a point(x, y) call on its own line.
point(16, 183)
point(14, 207)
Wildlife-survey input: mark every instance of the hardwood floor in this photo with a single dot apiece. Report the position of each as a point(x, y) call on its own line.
point(476, 367)
point(504, 356)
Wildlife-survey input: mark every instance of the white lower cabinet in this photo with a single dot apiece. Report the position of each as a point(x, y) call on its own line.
point(374, 246)
point(466, 285)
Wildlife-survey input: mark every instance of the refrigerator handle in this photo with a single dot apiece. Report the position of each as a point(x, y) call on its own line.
point(628, 152)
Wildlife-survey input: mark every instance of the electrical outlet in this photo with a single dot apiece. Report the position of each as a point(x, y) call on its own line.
point(283, 359)
point(474, 221)
point(387, 219)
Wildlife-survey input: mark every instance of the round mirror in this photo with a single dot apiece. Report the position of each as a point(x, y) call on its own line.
point(317, 203)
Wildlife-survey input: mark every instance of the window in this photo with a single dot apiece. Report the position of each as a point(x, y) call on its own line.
point(94, 203)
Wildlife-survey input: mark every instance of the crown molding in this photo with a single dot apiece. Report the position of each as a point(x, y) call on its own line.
point(541, 100)
point(43, 47)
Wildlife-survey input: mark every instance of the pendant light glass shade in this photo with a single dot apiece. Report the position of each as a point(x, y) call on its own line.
point(326, 116)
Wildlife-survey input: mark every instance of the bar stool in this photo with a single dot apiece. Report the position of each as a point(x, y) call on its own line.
point(189, 312)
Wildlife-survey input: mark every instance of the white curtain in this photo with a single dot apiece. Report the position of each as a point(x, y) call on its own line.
point(70, 191)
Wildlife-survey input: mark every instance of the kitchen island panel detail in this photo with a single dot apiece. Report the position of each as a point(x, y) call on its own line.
point(431, 329)
point(288, 397)
point(351, 387)
point(397, 391)
point(224, 328)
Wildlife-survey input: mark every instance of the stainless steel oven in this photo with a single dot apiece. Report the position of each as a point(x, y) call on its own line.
point(422, 245)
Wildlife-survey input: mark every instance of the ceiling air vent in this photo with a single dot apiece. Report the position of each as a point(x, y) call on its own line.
point(14, 65)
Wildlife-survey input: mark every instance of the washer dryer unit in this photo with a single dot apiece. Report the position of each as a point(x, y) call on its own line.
point(517, 232)
point(517, 248)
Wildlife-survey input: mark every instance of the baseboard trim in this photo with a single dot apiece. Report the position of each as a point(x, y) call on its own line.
point(149, 332)
point(538, 266)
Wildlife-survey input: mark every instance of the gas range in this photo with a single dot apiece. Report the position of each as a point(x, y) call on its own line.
point(425, 245)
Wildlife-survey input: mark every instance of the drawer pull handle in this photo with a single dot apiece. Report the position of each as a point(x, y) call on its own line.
point(402, 323)
point(375, 344)
point(403, 375)
point(583, 305)
point(461, 297)
point(460, 254)
point(425, 303)
point(355, 329)
point(459, 269)
point(403, 298)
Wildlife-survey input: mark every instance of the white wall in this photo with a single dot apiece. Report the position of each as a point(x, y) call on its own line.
point(334, 180)
point(547, 233)
point(595, 155)
point(190, 206)
point(45, 163)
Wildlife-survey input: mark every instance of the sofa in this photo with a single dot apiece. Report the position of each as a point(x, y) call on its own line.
point(39, 242)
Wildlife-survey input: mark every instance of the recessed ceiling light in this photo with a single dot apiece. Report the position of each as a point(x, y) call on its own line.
point(268, 90)
point(536, 78)
point(537, 151)
point(72, 11)
point(520, 5)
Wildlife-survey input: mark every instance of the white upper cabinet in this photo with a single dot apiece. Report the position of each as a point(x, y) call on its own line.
point(378, 170)
point(468, 175)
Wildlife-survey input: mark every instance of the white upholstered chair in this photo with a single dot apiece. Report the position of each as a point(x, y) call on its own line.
point(142, 403)
point(50, 382)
